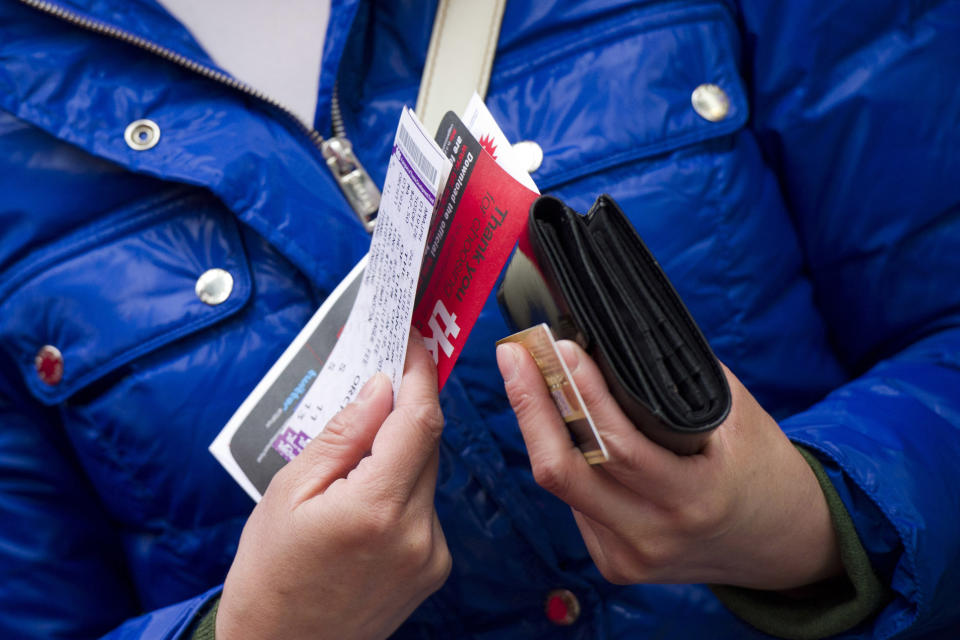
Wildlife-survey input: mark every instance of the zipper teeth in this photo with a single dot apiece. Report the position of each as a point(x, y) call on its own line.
point(336, 117)
point(172, 56)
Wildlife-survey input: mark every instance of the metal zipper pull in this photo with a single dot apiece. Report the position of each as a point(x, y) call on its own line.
point(360, 190)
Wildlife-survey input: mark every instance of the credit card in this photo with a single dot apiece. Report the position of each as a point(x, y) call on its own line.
point(539, 342)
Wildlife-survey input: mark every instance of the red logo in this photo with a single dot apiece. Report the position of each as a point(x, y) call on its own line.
point(487, 143)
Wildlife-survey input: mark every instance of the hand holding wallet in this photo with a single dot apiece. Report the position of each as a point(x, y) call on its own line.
point(607, 292)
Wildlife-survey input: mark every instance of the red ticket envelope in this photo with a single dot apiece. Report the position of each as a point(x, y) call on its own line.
point(480, 216)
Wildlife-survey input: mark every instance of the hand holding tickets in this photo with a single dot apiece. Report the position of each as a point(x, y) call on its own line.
point(346, 541)
point(362, 325)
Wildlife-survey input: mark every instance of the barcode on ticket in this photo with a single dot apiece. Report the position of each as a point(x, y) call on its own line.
point(414, 154)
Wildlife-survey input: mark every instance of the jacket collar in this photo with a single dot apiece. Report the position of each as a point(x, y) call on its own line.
point(262, 167)
point(145, 19)
point(150, 21)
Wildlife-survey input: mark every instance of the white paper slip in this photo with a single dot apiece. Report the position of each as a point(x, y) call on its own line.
point(374, 336)
point(482, 125)
point(240, 444)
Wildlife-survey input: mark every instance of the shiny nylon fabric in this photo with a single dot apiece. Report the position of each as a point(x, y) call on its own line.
point(813, 233)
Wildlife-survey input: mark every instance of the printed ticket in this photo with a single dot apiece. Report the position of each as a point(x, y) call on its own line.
point(328, 365)
point(374, 337)
point(244, 445)
point(449, 219)
point(480, 215)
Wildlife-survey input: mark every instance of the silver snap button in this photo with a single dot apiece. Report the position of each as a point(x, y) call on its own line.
point(142, 135)
point(214, 286)
point(49, 365)
point(529, 155)
point(710, 102)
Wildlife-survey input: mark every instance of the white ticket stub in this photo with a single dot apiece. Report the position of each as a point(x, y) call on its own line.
point(362, 326)
point(375, 336)
point(485, 129)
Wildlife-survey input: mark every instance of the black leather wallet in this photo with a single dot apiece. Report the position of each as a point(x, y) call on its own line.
point(596, 282)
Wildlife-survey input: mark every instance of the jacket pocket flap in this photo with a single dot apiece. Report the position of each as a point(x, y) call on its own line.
point(120, 289)
point(632, 94)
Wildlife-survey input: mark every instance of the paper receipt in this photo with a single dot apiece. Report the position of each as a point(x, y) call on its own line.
point(374, 337)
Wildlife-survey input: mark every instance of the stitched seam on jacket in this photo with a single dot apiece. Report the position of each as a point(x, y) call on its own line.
point(644, 151)
point(63, 391)
point(703, 13)
point(237, 300)
point(302, 258)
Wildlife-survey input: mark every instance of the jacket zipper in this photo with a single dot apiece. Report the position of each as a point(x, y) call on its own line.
point(358, 188)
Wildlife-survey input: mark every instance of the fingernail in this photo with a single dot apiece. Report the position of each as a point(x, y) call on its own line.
point(370, 387)
point(570, 354)
point(507, 361)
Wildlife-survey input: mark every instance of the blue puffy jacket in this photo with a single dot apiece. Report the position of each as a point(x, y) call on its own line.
point(813, 230)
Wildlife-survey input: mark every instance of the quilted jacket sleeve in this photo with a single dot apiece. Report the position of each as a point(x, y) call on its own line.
point(55, 535)
point(855, 105)
point(890, 442)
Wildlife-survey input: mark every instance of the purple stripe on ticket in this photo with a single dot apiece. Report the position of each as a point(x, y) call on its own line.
point(424, 189)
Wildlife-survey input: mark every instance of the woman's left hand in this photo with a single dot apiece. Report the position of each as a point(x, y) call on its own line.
point(746, 511)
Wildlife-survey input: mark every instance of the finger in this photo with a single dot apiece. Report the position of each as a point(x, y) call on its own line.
point(408, 438)
point(346, 439)
point(631, 453)
point(421, 509)
point(419, 382)
point(591, 539)
point(438, 568)
point(558, 466)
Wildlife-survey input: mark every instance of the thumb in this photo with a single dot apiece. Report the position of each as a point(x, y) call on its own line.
point(345, 440)
point(409, 437)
